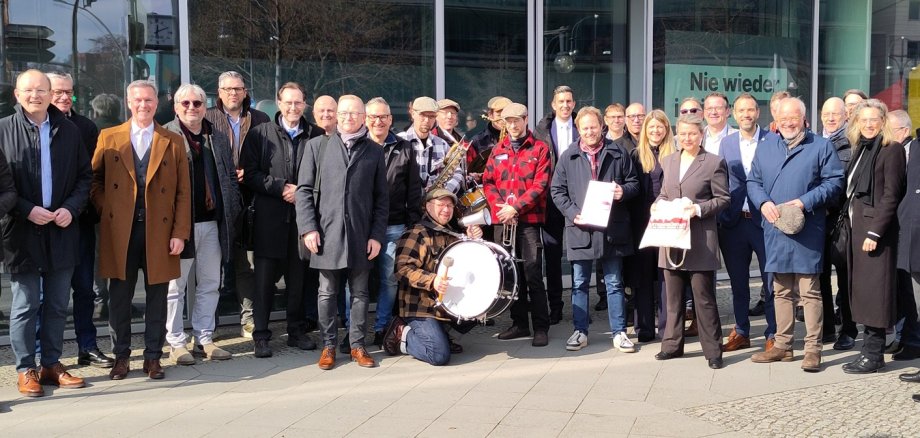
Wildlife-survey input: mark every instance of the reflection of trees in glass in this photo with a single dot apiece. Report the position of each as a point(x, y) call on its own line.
point(104, 67)
point(336, 47)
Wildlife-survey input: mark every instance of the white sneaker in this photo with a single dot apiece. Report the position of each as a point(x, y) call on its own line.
point(577, 341)
point(622, 343)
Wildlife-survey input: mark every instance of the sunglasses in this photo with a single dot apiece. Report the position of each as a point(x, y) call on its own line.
point(690, 111)
point(193, 103)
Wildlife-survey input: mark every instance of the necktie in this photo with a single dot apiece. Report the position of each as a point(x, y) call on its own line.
point(292, 133)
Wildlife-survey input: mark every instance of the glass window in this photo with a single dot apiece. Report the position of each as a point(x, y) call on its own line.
point(485, 45)
point(585, 47)
point(731, 47)
point(913, 12)
point(368, 48)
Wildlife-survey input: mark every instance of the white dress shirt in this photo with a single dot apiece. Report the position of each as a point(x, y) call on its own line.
point(748, 148)
point(563, 135)
point(714, 142)
point(141, 138)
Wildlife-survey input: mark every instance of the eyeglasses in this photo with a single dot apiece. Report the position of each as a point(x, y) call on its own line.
point(690, 110)
point(349, 114)
point(233, 90)
point(36, 92)
point(715, 109)
point(59, 93)
point(193, 103)
point(378, 118)
point(635, 116)
point(292, 104)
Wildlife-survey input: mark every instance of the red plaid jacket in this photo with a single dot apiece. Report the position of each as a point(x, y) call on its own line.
point(524, 174)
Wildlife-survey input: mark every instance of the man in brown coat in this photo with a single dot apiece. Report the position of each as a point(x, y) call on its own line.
point(141, 190)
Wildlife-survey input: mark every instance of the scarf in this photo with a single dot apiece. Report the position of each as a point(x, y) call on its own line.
point(862, 169)
point(350, 139)
point(591, 152)
point(195, 145)
point(791, 143)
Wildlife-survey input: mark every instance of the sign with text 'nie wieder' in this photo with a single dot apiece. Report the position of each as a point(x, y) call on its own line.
point(683, 80)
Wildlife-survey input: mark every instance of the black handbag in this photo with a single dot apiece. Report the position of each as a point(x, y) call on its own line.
point(840, 234)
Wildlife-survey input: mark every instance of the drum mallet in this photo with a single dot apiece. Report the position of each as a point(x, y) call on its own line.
point(448, 262)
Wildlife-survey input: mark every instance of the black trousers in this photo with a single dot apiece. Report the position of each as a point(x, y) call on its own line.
point(295, 273)
point(832, 257)
point(121, 294)
point(645, 262)
point(531, 292)
point(707, 311)
point(874, 343)
point(552, 244)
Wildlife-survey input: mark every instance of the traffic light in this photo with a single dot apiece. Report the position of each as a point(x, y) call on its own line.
point(28, 43)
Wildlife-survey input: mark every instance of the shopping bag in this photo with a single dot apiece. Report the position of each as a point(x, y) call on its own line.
point(669, 227)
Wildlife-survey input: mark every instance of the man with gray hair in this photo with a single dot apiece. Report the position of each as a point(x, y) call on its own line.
point(215, 206)
point(106, 111)
point(342, 209)
point(233, 116)
point(141, 190)
point(795, 171)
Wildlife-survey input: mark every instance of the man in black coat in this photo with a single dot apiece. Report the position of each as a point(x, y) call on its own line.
point(234, 117)
point(270, 158)
point(909, 248)
point(51, 172)
point(342, 211)
point(84, 296)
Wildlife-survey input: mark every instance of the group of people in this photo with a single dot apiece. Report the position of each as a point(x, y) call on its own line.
point(325, 202)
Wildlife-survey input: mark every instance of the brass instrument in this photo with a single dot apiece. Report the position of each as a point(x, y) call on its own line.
point(455, 158)
point(509, 231)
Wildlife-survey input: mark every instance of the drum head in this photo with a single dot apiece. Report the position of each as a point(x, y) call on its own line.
point(475, 278)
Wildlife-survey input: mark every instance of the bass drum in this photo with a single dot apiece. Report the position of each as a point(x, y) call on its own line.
point(483, 280)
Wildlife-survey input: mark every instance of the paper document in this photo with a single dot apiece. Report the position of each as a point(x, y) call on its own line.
point(598, 202)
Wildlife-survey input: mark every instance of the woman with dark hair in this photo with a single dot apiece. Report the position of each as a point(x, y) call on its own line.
point(701, 178)
point(875, 185)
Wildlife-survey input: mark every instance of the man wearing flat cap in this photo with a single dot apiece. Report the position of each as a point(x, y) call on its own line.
point(419, 330)
point(430, 150)
point(515, 183)
point(489, 137)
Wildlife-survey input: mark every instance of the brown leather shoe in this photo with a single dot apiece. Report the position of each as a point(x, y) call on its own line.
point(812, 362)
point(736, 342)
point(120, 370)
point(153, 369)
point(773, 355)
point(691, 331)
point(769, 345)
point(360, 355)
point(57, 375)
point(28, 384)
point(327, 358)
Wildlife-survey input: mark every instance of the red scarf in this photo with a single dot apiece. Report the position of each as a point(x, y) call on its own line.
point(592, 152)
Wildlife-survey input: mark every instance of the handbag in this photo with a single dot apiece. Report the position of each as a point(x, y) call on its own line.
point(669, 227)
point(840, 234)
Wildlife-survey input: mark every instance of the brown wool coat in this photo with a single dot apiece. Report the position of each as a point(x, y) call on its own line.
point(168, 200)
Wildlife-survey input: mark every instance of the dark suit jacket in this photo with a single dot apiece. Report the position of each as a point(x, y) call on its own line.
point(705, 184)
point(730, 151)
point(909, 214)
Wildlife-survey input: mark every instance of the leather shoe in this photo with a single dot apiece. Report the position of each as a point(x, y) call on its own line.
point(455, 348)
point(758, 309)
point(736, 342)
point(555, 316)
point(664, 355)
point(894, 347)
point(844, 342)
point(772, 355)
point(828, 338)
point(863, 365)
point(301, 341)
point(120, 370)
point(799, 313)
point(715, 363)
point(393, 336)
point(910, 377)
point(261, 348)
point(28, 384)
point(540, 339)
point(57, 375)
point(153, 369)
point(514, 332)
point(812, 362)
point(916, 398)
point(95, 358)
point(360, 355)
point(327, 358)
point(601, 305)
point(908, 352)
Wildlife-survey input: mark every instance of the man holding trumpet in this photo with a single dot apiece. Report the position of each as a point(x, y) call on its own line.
point(420, 328)
point(515, 182)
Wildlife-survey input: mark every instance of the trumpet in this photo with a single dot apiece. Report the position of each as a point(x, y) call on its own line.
point(509, 230)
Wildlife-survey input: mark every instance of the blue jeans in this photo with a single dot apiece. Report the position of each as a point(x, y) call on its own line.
point(427, 341)
point(49, 293)
point(616, 302)
point(84, 296)
point(386, 260)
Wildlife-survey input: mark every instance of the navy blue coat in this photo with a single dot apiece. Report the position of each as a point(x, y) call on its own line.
point(909, 214)
point(810, 172)
point(568, 189)
point(730, 151)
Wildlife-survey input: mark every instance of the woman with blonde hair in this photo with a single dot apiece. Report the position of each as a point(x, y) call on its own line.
point(655, 143)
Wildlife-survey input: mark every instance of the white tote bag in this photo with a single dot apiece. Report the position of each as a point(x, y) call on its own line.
point(669, 227)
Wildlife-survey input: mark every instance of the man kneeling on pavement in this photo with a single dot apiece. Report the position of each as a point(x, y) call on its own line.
point(421, 328)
